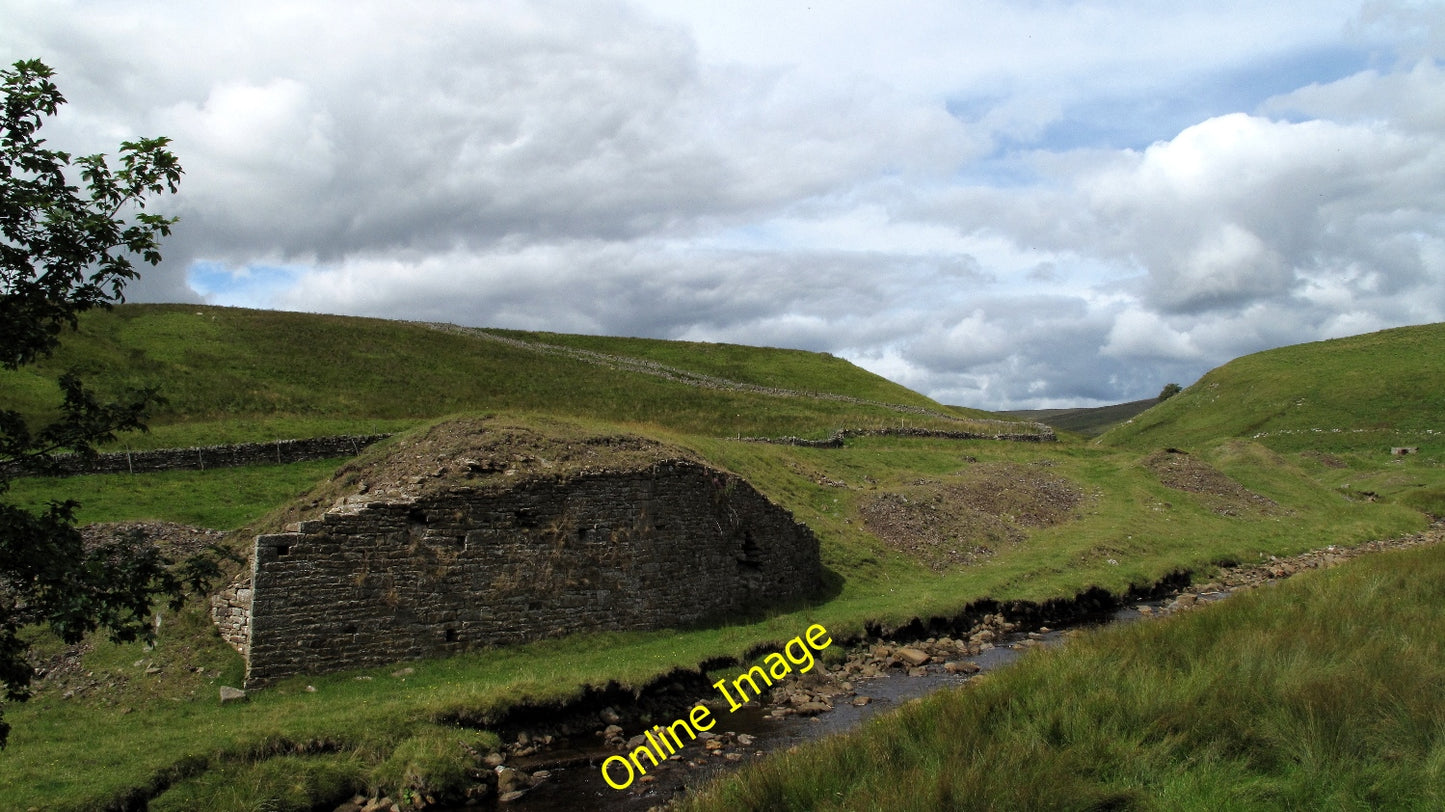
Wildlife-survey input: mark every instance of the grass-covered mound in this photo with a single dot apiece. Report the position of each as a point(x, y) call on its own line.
point(1362, 394)
point(477, 452)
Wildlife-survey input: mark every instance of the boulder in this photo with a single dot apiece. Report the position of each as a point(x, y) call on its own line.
point(510, 780)
point(912, 656)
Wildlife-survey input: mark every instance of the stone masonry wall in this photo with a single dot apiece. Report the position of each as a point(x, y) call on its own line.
point(214, 456)
point(378, 580)
point(231, 609)
point(1041, 434)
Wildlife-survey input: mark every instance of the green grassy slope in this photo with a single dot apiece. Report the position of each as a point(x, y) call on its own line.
point(1360, 394)
point(1128, 529)
point(233, 375)
point(788, 369)
point(247, 375)
point(1090, 422)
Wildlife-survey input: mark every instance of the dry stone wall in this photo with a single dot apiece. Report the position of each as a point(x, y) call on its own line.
point(381, 579)
point(1041, 434)
point(204, 457)
point(231, 609)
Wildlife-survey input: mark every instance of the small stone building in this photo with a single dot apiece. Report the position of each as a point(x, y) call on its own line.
point(477, 534)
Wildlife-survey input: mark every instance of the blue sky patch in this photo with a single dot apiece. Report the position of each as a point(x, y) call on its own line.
point(247, 286)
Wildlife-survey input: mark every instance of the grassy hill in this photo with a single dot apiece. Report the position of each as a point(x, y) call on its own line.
point(1359, 394)
point(234, 375)
point(1090, 422)
point(910, 527)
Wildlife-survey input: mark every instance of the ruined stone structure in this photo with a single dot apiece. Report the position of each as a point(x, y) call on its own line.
point(494, 547)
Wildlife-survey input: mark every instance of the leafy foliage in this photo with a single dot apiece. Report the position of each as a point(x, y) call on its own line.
point(64, 251)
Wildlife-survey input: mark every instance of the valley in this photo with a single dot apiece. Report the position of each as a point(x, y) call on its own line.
point(922, 513)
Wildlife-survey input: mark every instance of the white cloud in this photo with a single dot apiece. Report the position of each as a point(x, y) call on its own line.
point(1139, 334)
point(254, 144)
point(1407, 101)
point(904, 185)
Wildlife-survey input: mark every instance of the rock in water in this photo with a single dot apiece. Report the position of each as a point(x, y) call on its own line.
point(912, 656)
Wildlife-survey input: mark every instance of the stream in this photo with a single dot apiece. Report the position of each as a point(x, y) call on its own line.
point(573, 779)
point(566, 773)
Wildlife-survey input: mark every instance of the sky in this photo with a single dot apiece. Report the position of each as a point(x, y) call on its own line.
point(1004, 204)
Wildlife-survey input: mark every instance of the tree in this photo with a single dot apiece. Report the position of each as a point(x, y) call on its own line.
point(1169, 391)
point(65, 250)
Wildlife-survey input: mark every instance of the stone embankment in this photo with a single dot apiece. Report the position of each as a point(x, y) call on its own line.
point(200, 458)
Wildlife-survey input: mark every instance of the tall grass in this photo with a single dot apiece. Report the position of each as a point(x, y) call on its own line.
point(1325, 692)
